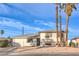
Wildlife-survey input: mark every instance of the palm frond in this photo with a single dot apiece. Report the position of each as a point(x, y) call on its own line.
point(73, 6)
point(62, 5)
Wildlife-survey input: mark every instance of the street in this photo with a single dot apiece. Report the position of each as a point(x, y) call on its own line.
point(37, 51)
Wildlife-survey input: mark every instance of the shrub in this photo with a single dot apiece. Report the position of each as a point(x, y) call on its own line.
point(72, 44)
point(4, 43)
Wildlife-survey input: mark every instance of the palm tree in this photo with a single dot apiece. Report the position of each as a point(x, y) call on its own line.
point(1, 32)
point(57, 23)
point(68, 9)
point(60, 26)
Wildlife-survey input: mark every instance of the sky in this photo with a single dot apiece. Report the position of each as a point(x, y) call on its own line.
point(34, 17)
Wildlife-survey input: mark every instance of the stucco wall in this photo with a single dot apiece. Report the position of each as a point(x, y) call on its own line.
point(74, 41)
point(42, 36)
point(20, 42)
point(77, 41)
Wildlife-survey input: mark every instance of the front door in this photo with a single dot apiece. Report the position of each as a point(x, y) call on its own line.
point(38, 42)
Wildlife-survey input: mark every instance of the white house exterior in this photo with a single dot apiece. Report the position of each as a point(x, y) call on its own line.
point(50, 36)
point(25, 40)
point(40, 39)
point(20, 42)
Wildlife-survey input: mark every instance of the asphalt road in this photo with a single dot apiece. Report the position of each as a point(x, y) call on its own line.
point(28, 51)
point(48, 54)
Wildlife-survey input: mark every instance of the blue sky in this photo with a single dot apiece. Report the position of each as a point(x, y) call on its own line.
point(34, 17)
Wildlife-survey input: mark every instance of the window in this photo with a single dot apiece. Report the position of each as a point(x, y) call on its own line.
point(48, 35)
point(29, 40)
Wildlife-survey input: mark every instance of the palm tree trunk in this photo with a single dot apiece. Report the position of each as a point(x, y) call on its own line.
point(67, 21)
point(60, 29)
point(57, 22)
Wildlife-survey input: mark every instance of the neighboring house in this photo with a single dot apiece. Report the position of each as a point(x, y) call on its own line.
point(76, 40)
point(41, 39)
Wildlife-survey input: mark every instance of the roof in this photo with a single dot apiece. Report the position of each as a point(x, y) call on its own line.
point(75, 38)
point(3, 38)
point(49, 31)
point(26, 36)
point(34, 35)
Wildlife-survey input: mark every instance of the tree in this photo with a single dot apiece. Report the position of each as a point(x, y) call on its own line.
point(60, 26)
point(57, 23)
point(1, 32)
point(68, 9)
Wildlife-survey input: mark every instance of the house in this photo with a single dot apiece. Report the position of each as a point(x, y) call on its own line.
point(76, 41)
point(25, 40)
point(40, 39)
point(49, 37)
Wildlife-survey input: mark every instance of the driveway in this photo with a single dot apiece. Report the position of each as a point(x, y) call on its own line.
point(6, 50)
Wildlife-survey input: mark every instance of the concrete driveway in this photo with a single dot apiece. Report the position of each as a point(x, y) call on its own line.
point(6, 50)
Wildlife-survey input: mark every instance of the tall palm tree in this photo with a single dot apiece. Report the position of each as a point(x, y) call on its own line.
point(68, 9)
point(57, 23)
point(60, 26)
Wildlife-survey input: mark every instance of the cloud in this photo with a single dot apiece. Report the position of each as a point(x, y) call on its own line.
point(17, 24)
point(50, 24)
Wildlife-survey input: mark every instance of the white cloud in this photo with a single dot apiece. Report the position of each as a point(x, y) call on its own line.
point(17, 24)
point(50, 24)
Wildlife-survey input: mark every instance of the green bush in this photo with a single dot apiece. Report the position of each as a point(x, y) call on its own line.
point(72, 44)
point(4, 43)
